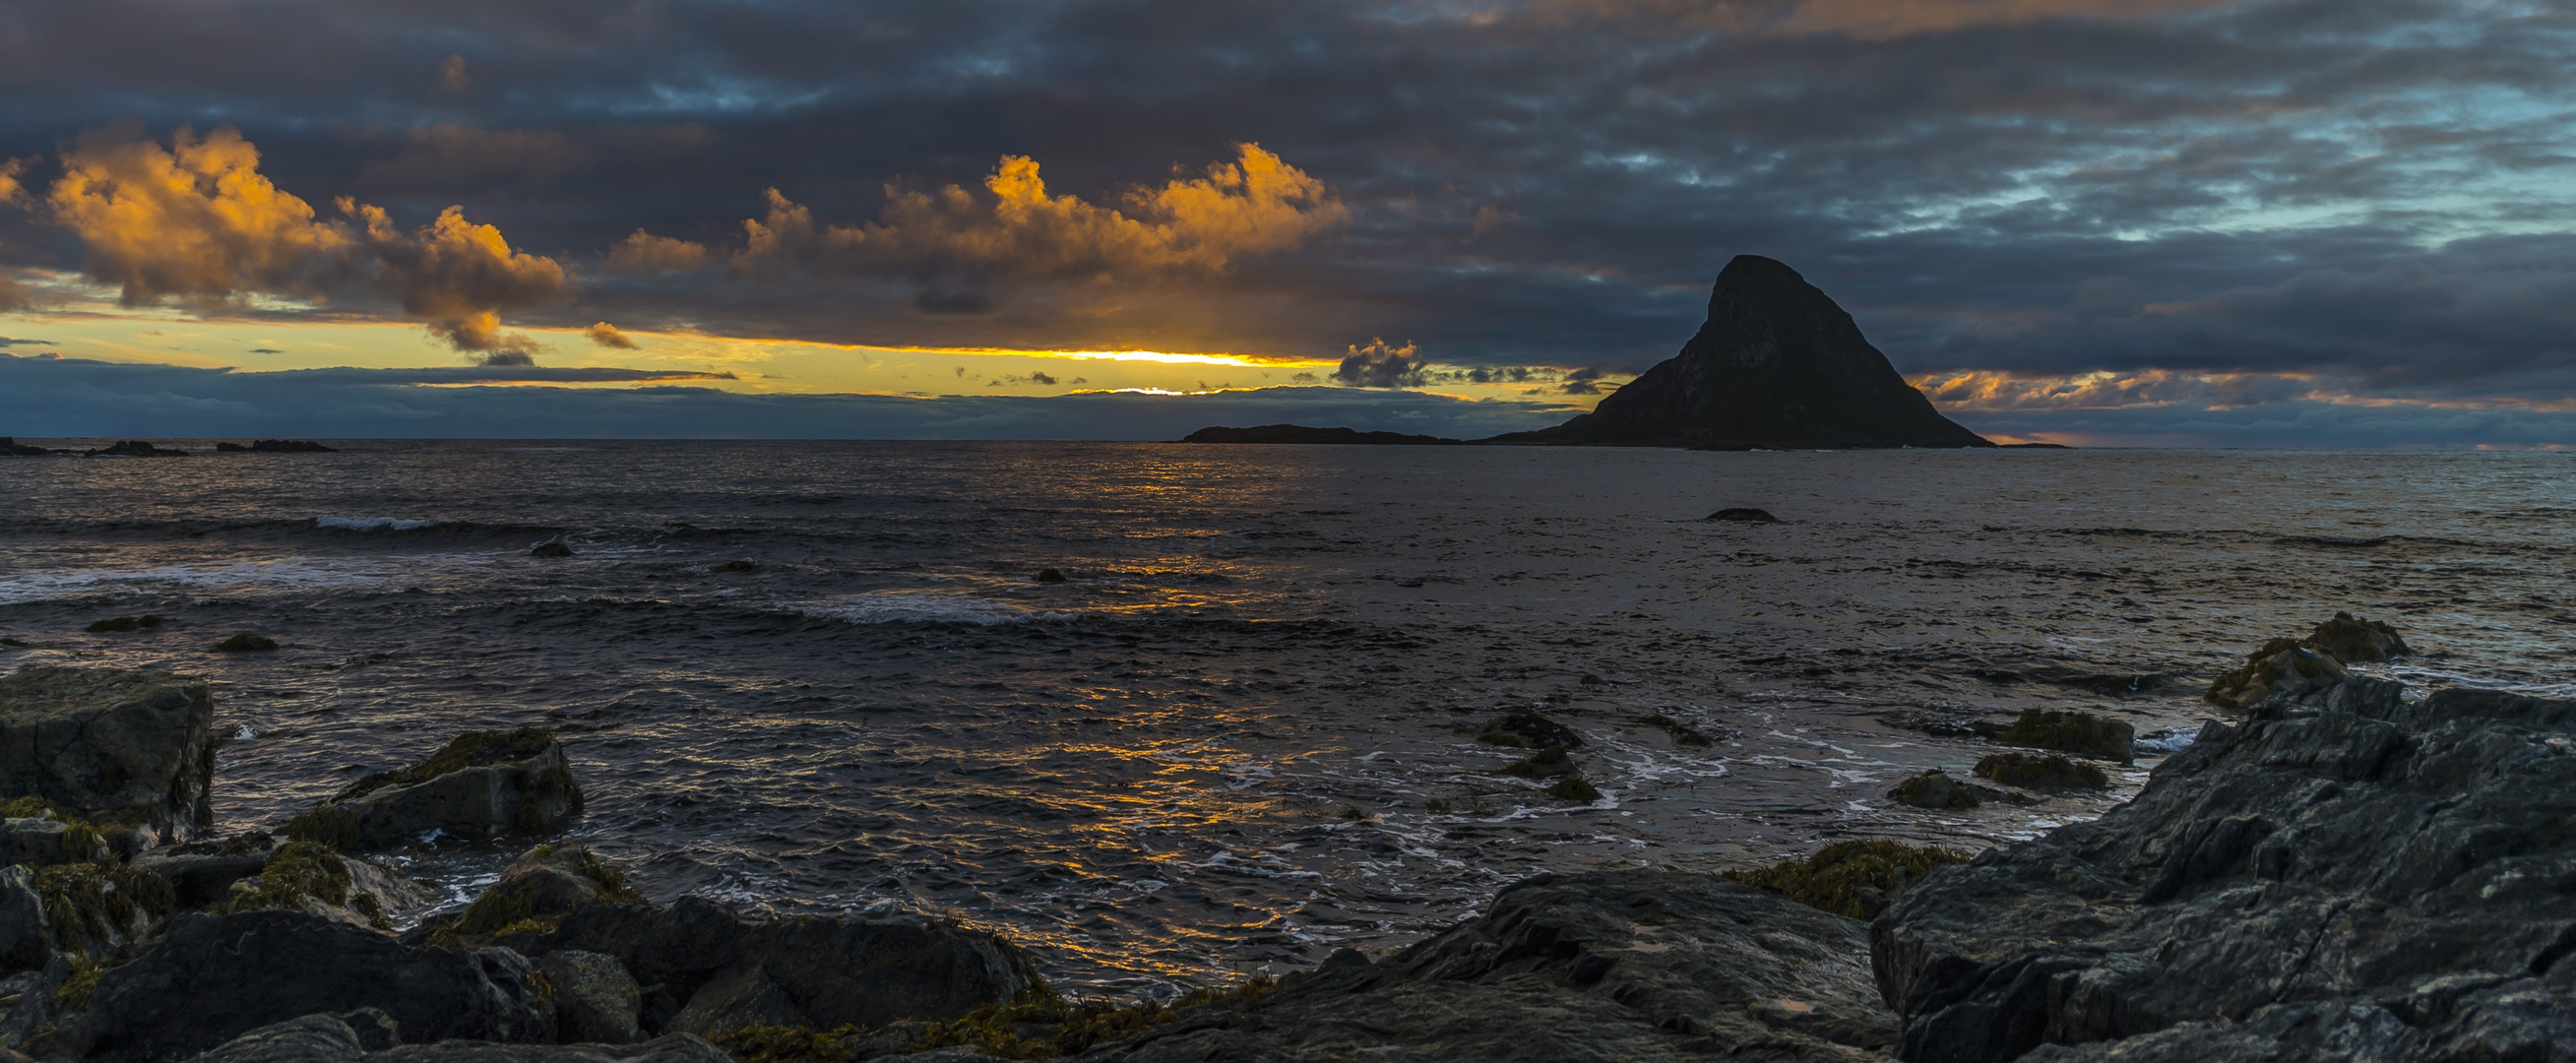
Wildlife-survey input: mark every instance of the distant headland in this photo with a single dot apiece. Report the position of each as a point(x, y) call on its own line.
point(1777, 364)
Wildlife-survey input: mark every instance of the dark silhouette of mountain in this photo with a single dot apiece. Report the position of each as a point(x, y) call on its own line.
point(1777, 365)
point(1298, 433)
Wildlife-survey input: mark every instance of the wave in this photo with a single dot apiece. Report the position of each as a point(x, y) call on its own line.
point(376, 524)
point(902, 607)
point(293, 574)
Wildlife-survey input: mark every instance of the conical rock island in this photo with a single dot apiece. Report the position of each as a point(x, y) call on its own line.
point(1777, 365)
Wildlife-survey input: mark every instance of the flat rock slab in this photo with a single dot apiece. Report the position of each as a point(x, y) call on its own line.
point(331, 1039)
point(2348, 875)
point(118, 746)
point(1626, 966)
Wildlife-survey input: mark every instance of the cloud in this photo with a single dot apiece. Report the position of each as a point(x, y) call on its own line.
point(197, 220)
point(1866, 19)
point(457, 276)
point(643, 252)
point(451, 74)
point(53, 398)
point(1019, 232)
point(435, 159)
point(606, 335)
point(1380, 366)
point(22, 341)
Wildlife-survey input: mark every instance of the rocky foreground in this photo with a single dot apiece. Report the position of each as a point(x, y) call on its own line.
point(2341, 872)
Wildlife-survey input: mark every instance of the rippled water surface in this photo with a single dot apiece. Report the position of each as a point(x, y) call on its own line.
point(822, 676)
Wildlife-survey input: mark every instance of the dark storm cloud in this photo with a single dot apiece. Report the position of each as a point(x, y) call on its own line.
point(44, 398)
point(2374, 192)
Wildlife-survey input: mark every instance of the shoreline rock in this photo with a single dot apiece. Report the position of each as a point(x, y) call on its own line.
point(481, 786)
point(1301, 434)
point(119, 747)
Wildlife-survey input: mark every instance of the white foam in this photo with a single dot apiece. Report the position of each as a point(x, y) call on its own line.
point(2165, 743)
point(898, 607)
point(374, 524)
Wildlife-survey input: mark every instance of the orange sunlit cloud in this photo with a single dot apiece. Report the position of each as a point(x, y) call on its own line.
point(1985, 391)
point(1256, 205)
point(198, 221)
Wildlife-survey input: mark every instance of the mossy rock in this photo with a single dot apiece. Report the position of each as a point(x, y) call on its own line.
point(2070, 731)
point(1041, 1024)
point(1933, 789)
point(2349, 640)
point(1850, 878)
point(2280, 666)
point(478, 787)
point(2042, 771)
point(98, 907)
point(542, 886)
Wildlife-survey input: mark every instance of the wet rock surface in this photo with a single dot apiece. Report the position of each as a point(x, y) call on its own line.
point(213, 978)
point(2346, 875)
point(480, 787)
point(819, 972)
point(1636, 965)
point(2068, 731)
point(132, 747)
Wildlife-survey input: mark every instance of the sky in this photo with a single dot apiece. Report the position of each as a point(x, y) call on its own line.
point(2346, 223)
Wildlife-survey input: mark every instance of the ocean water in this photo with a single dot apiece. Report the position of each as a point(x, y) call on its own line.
point(821, 677)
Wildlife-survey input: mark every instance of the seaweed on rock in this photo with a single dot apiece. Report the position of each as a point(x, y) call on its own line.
point(1849, 878)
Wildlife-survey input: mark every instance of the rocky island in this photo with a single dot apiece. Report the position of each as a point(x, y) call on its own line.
point(2342, 869)
point(1776, 365)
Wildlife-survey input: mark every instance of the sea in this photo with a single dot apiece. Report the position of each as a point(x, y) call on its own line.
point(826, 677)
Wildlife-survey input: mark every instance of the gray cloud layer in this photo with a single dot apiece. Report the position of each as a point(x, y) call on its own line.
point(2376, 193)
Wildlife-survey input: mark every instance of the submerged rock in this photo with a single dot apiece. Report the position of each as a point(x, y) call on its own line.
point(246, 642)
point(1745, 514)
point(826, 971)
point(126, 623)
point(2047, 771)
point(2282, 668)
point(2347, 875)
point(2070, 731)
point(1639, 966)
point(1934, 789)
point(481, 786)
point(214, 978)
point(1049, 575)
point(119, 747)
point(277, 446)
point(555, 548)
point(1525, 729)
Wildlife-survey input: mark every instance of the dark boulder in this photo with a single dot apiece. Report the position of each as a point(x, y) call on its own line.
point(214, 978)
point(1525, 729)
point(1049, 575)
point(203, 873)
point(13, 448)
point(1745, 514)
point(1776, 365)
point(2069, 731)
point(120, 747)
point(1632, 966)
point(246, 642)
point(830, 971)
point(1935, 789)
point(596, 1000)
point(277, 446)
point(2356, 641)
point(2347, 875)
point(2281, 668)
point(481, 786)
point(535, 892)
point(553, 548)
point(317, 1038)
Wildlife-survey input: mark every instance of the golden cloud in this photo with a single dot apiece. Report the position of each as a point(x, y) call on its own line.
point(643, 252)
point(606, 335)
point(1256, 205)
point(457, 275)
point(198, 221)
